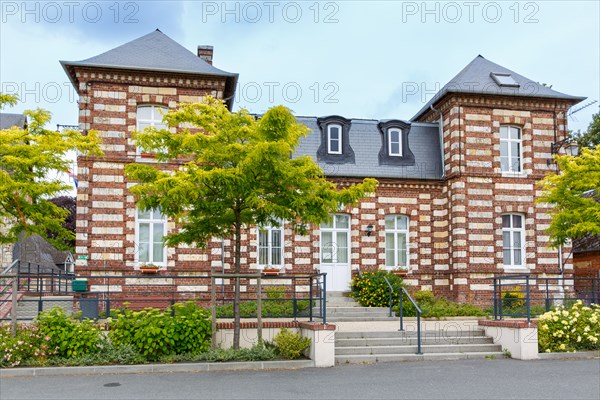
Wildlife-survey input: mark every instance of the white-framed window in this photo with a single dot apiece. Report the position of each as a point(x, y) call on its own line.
point(270, 246)
point(511, 149)
point(395, 142)
point(335, 240)
point(396, 241)
point(150, 115)
point(334, 139)
point(150, 229)
point(513, 240)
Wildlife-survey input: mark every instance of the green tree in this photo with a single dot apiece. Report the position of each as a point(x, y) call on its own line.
point(29, 159)
point(235, 171)
point(575, 196)
point(590, 138)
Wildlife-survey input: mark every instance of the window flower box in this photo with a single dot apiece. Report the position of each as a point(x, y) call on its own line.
point(271, 271)
point(149, 269)
point(401, 270)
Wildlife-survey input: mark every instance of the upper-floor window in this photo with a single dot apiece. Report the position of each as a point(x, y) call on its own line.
point(334, 139)
point(150, 115)
point(513, 235)
point(151, 227)
point(270, 246)
point(510, 149)
point(395, 142)
point(396, 241)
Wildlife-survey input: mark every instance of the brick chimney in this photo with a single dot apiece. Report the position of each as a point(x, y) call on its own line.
point(206, 53)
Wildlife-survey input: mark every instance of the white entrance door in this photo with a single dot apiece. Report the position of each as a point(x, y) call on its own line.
point(335, 253)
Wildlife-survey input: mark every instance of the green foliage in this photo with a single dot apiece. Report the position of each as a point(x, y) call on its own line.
point(513, 298)
point(575, 197)
point(28, 347)
point(29, 158)
point(290, 345)
point(270, 308)
point(258, 352)
point(109, 355)
point(590, 138)
point(437, 307)
point(371, 290)
point(68, 336)
point(275, 292)
point(572, 329)
point(155, 333)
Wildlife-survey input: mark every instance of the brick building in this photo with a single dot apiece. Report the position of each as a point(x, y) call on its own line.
point(457, 183)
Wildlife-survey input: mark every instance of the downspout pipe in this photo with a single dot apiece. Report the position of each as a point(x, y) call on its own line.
point(441, 132)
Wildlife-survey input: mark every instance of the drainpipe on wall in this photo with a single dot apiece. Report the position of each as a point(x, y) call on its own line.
point(441, 132)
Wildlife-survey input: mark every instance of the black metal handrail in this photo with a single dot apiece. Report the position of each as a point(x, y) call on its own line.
point(401, 311)
point(402, 292)
point(110, 291)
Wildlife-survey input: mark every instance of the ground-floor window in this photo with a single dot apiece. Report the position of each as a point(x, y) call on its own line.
point(150, 230)
point(270, 246)
point(513, 240)
point(396, 241)
point(335, 240)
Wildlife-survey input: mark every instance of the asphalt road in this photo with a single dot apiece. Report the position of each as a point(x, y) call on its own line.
point(468, 379)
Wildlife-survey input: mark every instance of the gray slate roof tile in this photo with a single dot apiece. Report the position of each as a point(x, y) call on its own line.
point(366, 141)
point(476, 78)
point(8, 120)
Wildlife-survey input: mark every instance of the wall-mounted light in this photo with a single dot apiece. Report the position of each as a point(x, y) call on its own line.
point(369, 230)
point(570, 145)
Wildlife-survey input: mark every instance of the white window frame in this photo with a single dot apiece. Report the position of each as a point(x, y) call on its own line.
point(399, 141)
point(396, 231)
point(334, 230)
point(151, 221)
point(512, 231)
point(509, 141)
point(339, 139)
point(270, 229)
point(155, 120)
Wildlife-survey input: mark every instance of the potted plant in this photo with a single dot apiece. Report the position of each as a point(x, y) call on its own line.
point(271, 271)
point(149, 268)
point(401, 270)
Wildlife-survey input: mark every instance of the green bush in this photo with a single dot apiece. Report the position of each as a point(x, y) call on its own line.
point(572, 329)
point(437, 307)
point(275, 292)
point(290, 345)
point(68, 336)
point(371, 290)
point(156, 333)
point(513, 298)
point(271, 307)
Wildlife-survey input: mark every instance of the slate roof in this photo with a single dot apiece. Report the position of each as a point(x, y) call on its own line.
point(152, 52)
point(476, 78)
point(8, 120)
point(366, 141)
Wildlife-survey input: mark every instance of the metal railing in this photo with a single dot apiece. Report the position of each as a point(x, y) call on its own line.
point(283, 296)
point(402, 293)
point(527, 296)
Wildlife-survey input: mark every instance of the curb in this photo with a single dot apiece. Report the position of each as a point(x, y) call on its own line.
point(154, 368)
point(580, 355)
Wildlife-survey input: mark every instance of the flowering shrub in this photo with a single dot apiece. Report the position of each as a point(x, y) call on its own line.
point(29, 346)
point(371, 290)
point(572, 329)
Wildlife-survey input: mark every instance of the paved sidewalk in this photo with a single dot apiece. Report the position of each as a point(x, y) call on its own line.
point(467, 379)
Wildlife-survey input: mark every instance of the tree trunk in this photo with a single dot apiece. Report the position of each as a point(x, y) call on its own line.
point(236, 299)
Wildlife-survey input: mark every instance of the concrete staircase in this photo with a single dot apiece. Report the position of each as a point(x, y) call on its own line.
point(341, 308)
point(372, 347)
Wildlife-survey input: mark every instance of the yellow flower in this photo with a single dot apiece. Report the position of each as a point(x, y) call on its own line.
point(562, 346)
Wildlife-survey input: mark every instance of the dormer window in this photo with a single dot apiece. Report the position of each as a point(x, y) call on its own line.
point(395, 142)
point(395, 146)
point(334, 139)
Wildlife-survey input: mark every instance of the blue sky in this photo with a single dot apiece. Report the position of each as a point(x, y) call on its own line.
point(357, 59)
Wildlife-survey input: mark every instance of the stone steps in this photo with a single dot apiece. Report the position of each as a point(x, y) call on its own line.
point(341, 308)
point(382, 346)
